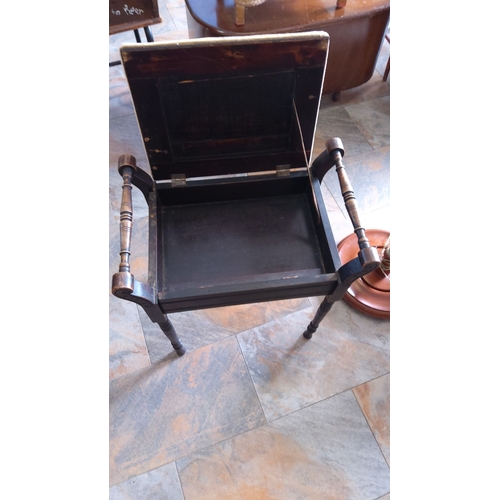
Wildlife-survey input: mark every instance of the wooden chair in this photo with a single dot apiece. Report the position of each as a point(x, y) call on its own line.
point(236, 213)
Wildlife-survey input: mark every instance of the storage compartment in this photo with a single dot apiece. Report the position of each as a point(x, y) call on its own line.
point(240, 234)
point(233, 241)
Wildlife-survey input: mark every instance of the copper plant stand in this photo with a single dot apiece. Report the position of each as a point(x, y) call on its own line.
point(372, 293)
point(236, 213)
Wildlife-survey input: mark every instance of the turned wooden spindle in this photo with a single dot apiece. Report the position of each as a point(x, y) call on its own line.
point(336, 150)
point(367, 255)
point(126, 167)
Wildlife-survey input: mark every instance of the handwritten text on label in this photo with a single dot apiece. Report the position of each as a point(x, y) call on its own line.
point(130, 11)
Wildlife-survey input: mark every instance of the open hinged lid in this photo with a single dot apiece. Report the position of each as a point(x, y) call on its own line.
point(228, 105)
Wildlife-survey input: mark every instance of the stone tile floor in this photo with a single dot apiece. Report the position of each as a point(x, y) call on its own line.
point(253, 410)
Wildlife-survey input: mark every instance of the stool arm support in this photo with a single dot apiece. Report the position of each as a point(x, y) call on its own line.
point(321, 165)
point(123, 284)
point(368, 255)
point(332, 156)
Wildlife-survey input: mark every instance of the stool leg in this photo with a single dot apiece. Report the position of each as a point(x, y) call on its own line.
point(169, 330)
point(322, 311)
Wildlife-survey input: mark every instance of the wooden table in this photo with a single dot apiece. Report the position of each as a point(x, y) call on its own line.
point(356, 31)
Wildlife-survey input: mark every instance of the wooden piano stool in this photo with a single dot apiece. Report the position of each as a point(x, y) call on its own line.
point(236, 213)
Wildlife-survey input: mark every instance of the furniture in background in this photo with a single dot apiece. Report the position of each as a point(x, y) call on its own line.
point(371, 294)
point(356, 30)
point(388, 65)
point(142, 14)
point(236, 213)
point(240, 5)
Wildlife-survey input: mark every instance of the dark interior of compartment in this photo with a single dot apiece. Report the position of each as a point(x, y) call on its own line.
point(209, 244)
point(236, 115)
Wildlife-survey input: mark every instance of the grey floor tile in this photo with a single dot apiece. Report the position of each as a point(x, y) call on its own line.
point(373, 119)
point(374, 399)
point(325, 451)
point(120, 99)
point(369, 175)
point(199, 328)
point(114, 218)
point(179, 17)
point(175, 4)
point(167, 25)
point(127, 346)
point(125, 138)
point(336, 122)
point(159, 484)
point(290, 372)
point(194, 330)
point(179, 406)
point(173, 12)
point(356, 325)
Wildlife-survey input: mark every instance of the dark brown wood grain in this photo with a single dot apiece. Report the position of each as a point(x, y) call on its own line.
point(356, 31)
point(211, 108)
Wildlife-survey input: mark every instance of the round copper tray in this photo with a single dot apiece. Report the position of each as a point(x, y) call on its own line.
point(371, 293)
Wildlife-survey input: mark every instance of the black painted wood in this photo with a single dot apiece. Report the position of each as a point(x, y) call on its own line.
point(236, 212)
point(224, 242)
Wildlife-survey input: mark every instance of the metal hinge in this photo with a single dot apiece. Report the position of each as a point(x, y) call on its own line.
point(178, 180)
point(282, 170)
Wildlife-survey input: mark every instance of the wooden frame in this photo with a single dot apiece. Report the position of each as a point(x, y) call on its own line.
point(235, 207)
